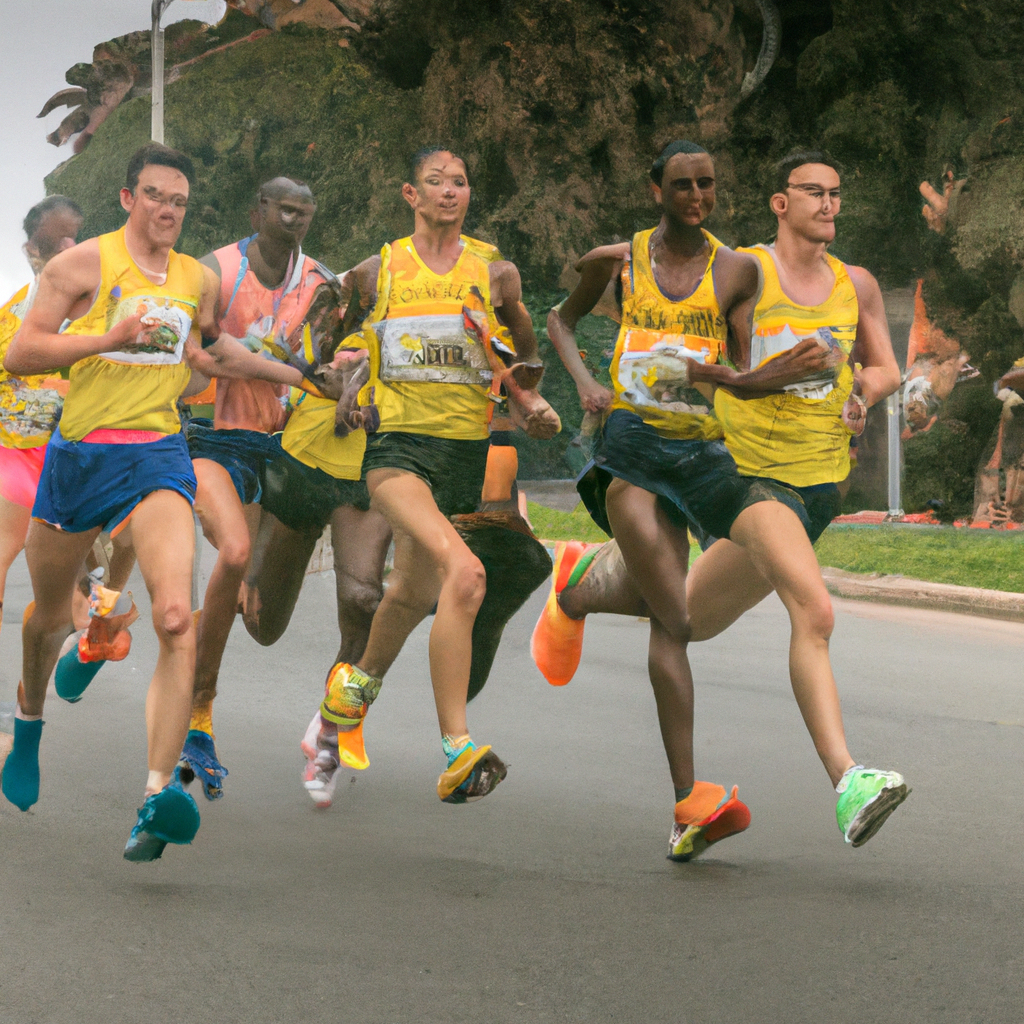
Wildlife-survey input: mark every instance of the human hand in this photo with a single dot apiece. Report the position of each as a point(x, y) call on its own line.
point(593, 397)
point(936, 208)
point(127, 333)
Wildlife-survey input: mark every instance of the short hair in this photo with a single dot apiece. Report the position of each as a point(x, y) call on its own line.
point(271, 190)
point(671, 150)
point(35, 216)
point(797, 158)
point(163, 156)
point(419, 158)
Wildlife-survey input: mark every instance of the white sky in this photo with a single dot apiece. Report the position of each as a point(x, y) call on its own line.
point(40, 40)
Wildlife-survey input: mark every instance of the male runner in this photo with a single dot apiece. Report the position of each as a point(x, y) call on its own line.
point(439, 298)
point(136, 306)
point(267, 285)
point(792, 447)
point(29, 408)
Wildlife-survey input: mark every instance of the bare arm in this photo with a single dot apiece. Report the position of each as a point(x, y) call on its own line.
point(507, 299)
point(879, 375)
point(227, 356)
point(597, 269)
point(359, 285)
point(66, 291)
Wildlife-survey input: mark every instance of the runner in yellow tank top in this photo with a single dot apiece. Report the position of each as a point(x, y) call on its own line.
point(430, 376)
point(138, 310)
point(768, 541)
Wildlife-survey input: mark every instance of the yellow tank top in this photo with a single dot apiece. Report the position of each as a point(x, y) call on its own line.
point(309, 437)
point(797, 437)
point(657, 333)
point(138, 389)
point(28, 409)
point(430, 376)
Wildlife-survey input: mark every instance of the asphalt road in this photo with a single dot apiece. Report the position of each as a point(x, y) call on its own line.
point(552, 899)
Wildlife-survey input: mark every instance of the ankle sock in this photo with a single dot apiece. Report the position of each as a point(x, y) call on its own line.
point(20, 782)
point(455, 745)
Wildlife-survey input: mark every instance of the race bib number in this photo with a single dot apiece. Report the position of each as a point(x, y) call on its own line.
point(163, 334)
point(766, 344)
point(433, 348)
point(653, 370)
point(27, 413)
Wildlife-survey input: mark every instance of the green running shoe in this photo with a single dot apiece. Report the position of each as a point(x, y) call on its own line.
point(867, 797)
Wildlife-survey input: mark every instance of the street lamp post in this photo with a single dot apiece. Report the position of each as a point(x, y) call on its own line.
point(157, 118)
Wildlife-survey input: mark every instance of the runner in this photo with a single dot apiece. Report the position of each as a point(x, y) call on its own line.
point(29, 408)
point(136, 308)
point(440, 302)
point(267, 286)
point(787, 495)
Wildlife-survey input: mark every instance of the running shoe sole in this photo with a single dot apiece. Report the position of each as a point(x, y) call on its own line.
point(873, 815)
point(730, 819)
point(473, 774)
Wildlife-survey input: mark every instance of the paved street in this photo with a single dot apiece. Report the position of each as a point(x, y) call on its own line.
point(552, 899)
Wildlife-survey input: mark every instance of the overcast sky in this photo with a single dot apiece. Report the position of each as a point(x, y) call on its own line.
point(39, 41)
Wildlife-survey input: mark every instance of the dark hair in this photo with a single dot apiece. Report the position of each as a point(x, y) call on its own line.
point(163, 156)
point(419, 158)
point(671, 150)
point(797, 158)
point(271, 190)
point(35, 216)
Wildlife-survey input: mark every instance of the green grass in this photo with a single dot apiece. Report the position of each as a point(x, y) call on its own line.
point(968, 558)
point(550, 524)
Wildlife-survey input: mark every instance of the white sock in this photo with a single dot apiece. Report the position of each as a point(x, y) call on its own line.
point(18, 713)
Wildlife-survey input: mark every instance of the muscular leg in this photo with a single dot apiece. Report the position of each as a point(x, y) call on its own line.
point(431, 560)
point(279, 561)
point(723, 584)
point(775, 540)
point(123, 559)
point(360, 541)
point(55, 565)
point(656, 553)
point(164, 544)
point(225, 527)
point(14, 520)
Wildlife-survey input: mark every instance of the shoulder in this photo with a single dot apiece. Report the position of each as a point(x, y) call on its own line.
point(741, 268)
point(314, 266)
point(605, 255)
point(75, 269)
point(367, 271)
point(864, 283)
point(482, 250)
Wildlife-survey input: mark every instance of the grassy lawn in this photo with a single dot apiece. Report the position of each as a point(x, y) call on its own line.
point(969, 558)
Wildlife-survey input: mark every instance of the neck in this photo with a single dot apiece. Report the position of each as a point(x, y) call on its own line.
point(271, 261)
point(684, 240)
point(797, 253)
point(151, 259)
point(436, 239)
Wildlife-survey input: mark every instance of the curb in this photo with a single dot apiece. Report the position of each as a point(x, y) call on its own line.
point(993, 604)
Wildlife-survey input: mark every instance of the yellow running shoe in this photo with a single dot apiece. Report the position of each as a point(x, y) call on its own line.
point(350, 692)
point(471, 775)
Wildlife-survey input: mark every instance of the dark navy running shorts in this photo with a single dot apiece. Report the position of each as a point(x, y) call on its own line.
point(243, 453)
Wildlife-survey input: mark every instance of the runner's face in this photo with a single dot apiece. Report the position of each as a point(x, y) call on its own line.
point(157, 207)
point(441, 193)
point(286, 219)
point(687, 192)
point(812, 202)
point(57, 231)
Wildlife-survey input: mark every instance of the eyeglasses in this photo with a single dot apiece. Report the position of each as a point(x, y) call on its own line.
point(816, 191)
point(175, 202)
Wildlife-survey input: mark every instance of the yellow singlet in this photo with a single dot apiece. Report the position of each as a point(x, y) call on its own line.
point(137, 389)
point(657, 333)
point(309, 437)
point(28, 409)
point(797, 437)
point(430, 376)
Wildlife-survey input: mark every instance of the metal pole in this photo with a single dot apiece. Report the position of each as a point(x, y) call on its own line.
point(157, 46)
point(895, 460)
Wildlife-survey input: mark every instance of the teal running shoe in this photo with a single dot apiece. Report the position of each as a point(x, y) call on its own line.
point(170, 816)
point(867, 797)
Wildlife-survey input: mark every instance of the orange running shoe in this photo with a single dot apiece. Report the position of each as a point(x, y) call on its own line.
point(557, 642)
point(107, 638)
point(704, 818)
point(350, 692)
